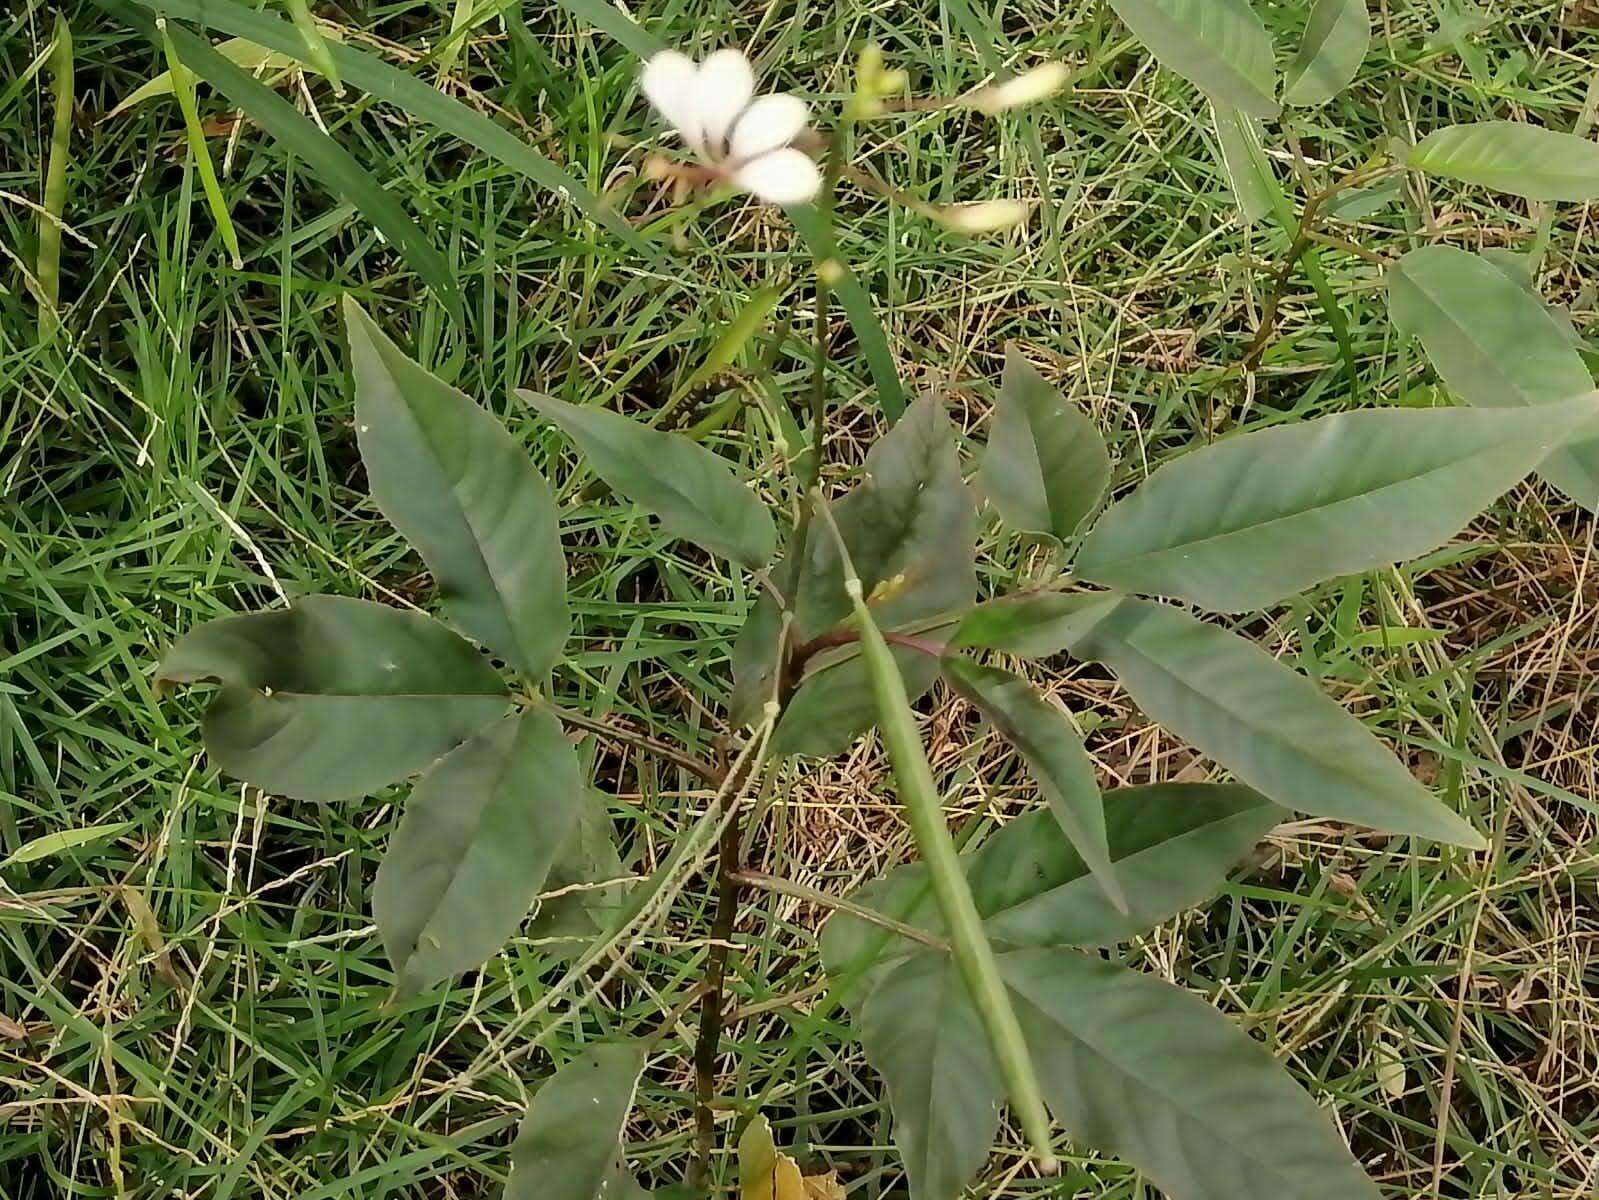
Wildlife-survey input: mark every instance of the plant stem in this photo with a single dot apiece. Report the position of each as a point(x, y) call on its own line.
point(711, 774)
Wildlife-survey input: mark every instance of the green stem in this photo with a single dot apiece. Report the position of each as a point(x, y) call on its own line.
point(925, 812)
point(48, 267)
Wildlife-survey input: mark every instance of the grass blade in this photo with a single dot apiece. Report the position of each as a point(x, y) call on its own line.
point(48, 268)
point(423, 102)
point(327, 159)
point(818, 235)
point(183, 88)
point(314, 45)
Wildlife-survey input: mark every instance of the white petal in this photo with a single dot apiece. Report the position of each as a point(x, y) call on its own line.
point(781, 177)
point(671, 82)
point(768, 124)
point(724, 87)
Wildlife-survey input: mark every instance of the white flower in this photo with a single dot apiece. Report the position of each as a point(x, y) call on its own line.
point(743, 139)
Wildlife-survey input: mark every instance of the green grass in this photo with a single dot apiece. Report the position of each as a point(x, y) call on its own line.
point(183, 448)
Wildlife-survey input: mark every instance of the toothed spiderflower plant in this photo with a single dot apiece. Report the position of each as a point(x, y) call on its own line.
point(977, 979)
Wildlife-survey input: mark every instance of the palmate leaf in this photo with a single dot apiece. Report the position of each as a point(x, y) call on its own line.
point(463, 492)
point(480, 835)
point(569, 1144)
point(1268, 725)
point(1241, 524)
point(921, 1032)
point(332, 698)
point(1337, 37)
point(1172, 845)
point(1508, 156)
point(911, 530)
point(1054, 755)
point(1496, 345)
point(688, 487)
point(1046, 466)
point(1220, 46)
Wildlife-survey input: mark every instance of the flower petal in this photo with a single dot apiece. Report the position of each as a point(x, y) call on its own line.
point(722, 91)
point(671, 83)
point(768, 124)
point(780, 177)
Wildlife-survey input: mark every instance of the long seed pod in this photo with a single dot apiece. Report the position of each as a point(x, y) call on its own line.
point(919, 796)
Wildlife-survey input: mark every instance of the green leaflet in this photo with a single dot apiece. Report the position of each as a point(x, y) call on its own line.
point(1220, 46)
point(1240, 524)
point(481, 833)
point(1268, 725)
point(1496, 345)
point(1130, 1065)
point(1046, 466)
point(1172, 845)
point(1337, 37)
point(923, 1036)
point(1054, 755)
point(1508, 156)
point(1153, 1074)
point(332, 698)
point(1238, 140)
point(688, 487)
point(1031, 624)
point(463, 492)
point(569, 1144)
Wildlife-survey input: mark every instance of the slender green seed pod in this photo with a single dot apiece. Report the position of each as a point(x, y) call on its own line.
point(919, 796)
